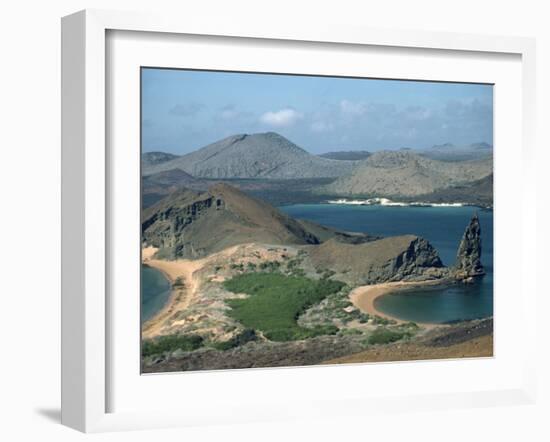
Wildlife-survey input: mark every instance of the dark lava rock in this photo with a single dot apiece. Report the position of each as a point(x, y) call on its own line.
point(468, 260)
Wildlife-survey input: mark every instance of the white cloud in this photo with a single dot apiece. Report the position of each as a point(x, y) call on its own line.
point(281, 118)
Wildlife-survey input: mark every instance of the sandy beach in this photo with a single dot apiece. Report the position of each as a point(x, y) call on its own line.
point(181, 296)
point(363, 297)
point(186, 286)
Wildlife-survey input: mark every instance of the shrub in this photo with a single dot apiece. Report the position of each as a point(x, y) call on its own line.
point(170, 343)
point(379, 320)
point(247, 335)
point(276, 301)
point(350, 331)
point(293, 264)
point(386, 336)
point(270, 266)
point(251, 266)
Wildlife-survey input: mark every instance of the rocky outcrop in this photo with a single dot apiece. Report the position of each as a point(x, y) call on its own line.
point(396, 258)
point(188, 224)
point(167, 228)
point(418, 258)
point(468, 265)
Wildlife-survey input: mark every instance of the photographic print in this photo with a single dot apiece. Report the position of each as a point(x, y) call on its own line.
point(295, 220)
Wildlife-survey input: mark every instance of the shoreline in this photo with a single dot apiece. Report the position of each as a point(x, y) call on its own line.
point(179, 298)
point(391, 203)
point(171, 296)
point(363, 298)
point(185, 288)
point(164, 311)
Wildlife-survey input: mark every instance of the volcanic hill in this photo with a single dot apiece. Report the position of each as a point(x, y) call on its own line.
point(262, 155)
point(406, 174)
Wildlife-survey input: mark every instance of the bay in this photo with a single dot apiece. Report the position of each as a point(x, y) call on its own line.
point(443, 227)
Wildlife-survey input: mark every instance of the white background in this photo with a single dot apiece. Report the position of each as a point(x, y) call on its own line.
point(30, 219)
point(279, 388)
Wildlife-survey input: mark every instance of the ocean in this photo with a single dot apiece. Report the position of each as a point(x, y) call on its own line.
point(155, 291)
point(443, 228)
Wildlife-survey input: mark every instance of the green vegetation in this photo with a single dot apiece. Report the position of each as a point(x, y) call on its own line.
point(350, 332)
point(327, 274)
point(251, 267)
point(170, 343)
point(270, 266)
point(276, 301)
point(363, 318)
point(239, 266)
point(336, 308)
point(293, 265)
point(298, 272)
point(379, 320)
point(247, 335)
point(385, 335)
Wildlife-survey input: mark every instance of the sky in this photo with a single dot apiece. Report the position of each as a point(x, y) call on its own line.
point(184, 110)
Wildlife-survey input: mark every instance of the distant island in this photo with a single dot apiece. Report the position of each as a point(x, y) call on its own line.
point(273, 168)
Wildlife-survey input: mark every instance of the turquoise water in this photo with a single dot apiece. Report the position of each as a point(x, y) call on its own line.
point(155, 291)
point(443, 228)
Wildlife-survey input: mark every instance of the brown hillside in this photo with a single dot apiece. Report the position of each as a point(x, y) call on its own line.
point(192, 224)
point(389, 259)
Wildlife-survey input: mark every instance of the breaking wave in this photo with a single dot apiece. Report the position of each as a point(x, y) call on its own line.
point(390, 203)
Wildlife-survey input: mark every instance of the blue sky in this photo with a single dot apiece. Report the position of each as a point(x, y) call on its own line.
point(185, 110)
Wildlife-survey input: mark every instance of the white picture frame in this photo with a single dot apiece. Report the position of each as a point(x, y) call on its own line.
point(85, 203)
